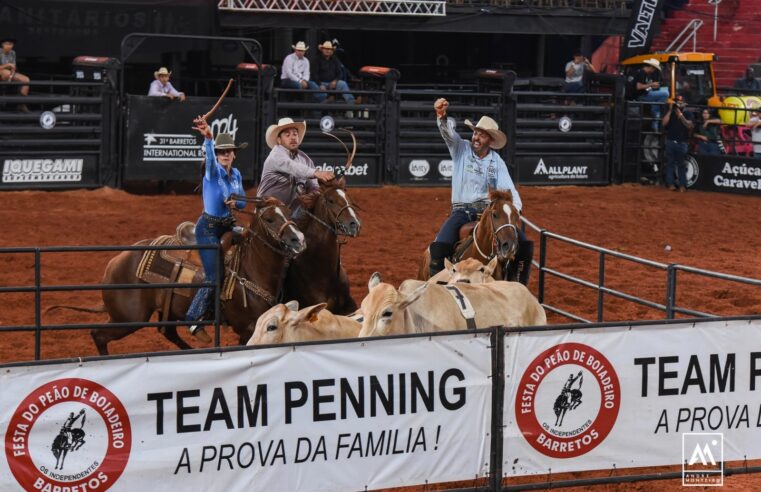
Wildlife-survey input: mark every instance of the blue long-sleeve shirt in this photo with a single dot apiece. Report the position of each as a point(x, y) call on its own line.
point(218, 185)
point(472, 176)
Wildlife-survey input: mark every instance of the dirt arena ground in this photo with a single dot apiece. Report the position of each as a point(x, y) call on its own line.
point(706, 230)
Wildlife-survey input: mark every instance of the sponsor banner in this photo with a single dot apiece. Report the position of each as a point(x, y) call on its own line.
point(38, 171)
point(349, 416)
point(724, 173)
point(611, 398)
point(562, 169)
point(643, 23)
point(364, 171)
point(162, 145)
point(426, 170)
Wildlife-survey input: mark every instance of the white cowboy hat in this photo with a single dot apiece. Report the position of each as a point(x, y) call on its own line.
point(653, 63)
point(326, 45)
point(300, 46)
point(498, 139)
point(162, 71)
point(283, 124)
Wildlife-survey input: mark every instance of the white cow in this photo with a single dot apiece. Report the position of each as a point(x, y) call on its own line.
point(285, 323)
point(419, 307)
point(469, 270)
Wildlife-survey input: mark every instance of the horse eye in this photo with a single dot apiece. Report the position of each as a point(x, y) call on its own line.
point(268, 220)
point(494, 214)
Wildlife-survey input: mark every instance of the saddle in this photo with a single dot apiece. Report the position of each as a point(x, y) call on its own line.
point(183, 265)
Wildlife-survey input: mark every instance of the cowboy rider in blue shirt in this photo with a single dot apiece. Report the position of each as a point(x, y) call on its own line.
point(477, 167)
point(220, 181)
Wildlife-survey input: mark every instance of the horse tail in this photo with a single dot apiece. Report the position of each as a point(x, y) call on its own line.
point(100, 308)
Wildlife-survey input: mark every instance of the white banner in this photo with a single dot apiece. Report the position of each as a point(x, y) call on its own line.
point(334, 417)
point(625, 396)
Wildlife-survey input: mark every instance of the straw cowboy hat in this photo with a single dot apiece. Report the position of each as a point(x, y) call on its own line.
point(161, 71)
point(283, 124)
point(326, 45)
point(653, 63)
point(498, 139)
point(300, 46)
point(226, 141)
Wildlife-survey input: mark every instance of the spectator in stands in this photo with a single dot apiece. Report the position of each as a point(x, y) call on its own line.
point(287, 171)
point(295, 73)
point(754, 123)
point(708, 134)
point(328, 72)
point(748, 82)
point(678, 123)
point(648, 85)
point(8, 69)
point(574, 73)
point(161, 87)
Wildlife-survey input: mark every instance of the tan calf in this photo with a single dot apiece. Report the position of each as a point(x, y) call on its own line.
point(469, 271)
point(419, 307)
point(285, 323)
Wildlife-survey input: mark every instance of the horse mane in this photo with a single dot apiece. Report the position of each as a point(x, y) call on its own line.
point(339, 183)
point(506, 195)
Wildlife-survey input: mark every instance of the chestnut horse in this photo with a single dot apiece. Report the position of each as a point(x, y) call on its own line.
point(494, 235)
point(317, 275)
point(269, 242)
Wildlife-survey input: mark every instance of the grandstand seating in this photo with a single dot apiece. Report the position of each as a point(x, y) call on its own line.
point(738, 39)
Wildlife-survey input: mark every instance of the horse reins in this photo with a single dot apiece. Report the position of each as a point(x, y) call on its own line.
point(494, 238)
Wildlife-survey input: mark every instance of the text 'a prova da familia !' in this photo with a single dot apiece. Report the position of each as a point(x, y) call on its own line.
point(316, 400)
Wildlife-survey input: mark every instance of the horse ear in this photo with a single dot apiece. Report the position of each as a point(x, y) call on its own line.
point(448, 265)
point(413, 296)
point(375, 279)
point(491, 266)
point(292, 305)
point(310, 313)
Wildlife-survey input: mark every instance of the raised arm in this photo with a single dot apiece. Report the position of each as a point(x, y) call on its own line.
point(454, 141)
point(212, 168)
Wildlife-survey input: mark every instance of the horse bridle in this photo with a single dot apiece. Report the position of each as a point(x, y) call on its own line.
point(276, 237)
point(337, 225)
point(494, 234)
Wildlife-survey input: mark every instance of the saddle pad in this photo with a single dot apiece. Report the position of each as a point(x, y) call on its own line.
point(464, 305)
point(180, 266)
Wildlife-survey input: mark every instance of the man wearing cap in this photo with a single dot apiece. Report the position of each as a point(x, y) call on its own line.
point(220, 181)
point(8, 69)
point(678, 123)
point(648, 84)
point(476, 168)
point(288, 171)
point(161, 87)
point(295, 74)
point(327, 73)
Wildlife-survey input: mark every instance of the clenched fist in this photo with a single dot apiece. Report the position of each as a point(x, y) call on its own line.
point(441, 106)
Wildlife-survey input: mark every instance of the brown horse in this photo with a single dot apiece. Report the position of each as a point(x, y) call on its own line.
point(317, 275)
point(494, 235)
point(270, 240)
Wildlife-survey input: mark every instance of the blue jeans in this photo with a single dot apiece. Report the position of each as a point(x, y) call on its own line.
point(709, 148)
point(290, 84)
point(655, 96)
point(206, 233)
point(676, 152)
point(573, 87)
point(341, 85)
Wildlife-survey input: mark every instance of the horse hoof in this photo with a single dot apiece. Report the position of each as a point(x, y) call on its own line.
point(201, 335)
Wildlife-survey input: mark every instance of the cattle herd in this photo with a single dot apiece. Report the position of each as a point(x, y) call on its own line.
point(462, 296)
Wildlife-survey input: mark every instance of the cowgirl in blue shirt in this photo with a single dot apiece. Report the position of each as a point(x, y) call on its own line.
point(220, 180)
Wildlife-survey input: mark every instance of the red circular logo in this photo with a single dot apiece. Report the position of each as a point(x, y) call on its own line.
point(560, 416)
point(55, 440)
